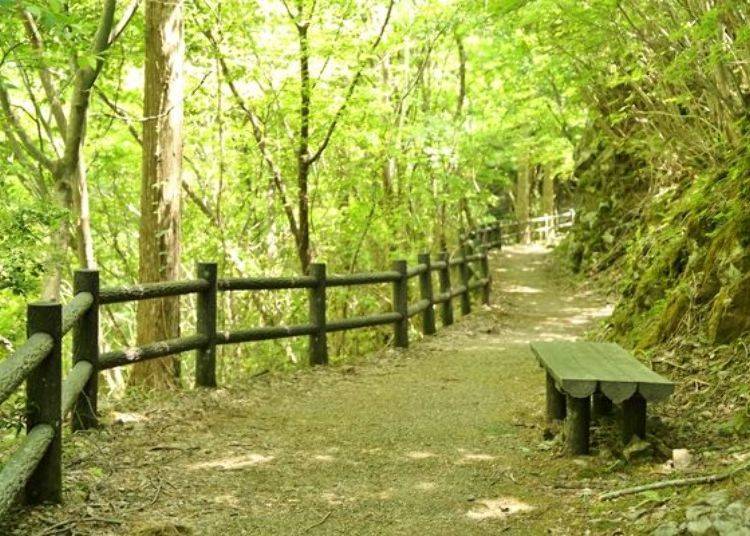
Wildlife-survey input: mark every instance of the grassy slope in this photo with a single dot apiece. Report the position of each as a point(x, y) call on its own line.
point(675, 256)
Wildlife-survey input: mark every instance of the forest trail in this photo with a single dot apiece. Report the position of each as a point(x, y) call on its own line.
point(444, 438)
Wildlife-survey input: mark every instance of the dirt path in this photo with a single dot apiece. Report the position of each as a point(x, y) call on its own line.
point(442, 439)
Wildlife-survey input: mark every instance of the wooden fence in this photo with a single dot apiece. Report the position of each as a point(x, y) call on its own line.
point(36, 466)
point(542, 228)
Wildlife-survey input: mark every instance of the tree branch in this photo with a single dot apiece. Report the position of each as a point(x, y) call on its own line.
point(85, 78)
point(53, 95)
point(20, 138)
point(257, 129)
point(192, 195)
point(350, 91)
point(127, 16)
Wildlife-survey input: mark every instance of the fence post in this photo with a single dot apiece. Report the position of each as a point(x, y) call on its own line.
point(86, 348)
point(499, 236)
point(465, 276)
point(485, 270)
point(425, 292)
point(205, 324)
point(317, 297)
point(446, 311)
point(401, 305)
point(44, 403)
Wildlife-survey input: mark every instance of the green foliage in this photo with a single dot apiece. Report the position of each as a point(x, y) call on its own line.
point(415, 157)
point(22, 231)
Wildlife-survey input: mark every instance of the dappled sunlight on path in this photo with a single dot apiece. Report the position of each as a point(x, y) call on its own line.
point(439, 439)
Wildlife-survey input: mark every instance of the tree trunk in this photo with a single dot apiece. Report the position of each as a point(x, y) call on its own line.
point(523, 191)
point(303, 152)
point(159, 239)
point(60, 242)
point(82, 211)
point(461, 76)
point(389, 159)
point(548, 201)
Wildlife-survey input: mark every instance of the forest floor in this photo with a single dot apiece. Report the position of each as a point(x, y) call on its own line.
point(444, 438)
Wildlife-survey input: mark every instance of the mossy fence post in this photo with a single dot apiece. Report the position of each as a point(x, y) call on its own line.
point(205, 324)
point(426, 293)
point(318, 349)
point(44, 403)
point(401, 304)
point(446, 311)
point(86, 348)
point(465, 277)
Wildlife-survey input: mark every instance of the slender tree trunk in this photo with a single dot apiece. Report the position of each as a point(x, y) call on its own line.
point(82, 211)
point(548, 201)
point(303, 151)
point(523, 192)
point(463, 203)
point(56, 257)
point(461, 75)
point(159, 239)
point(389, 160)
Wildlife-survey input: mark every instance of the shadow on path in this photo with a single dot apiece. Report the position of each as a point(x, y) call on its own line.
point(441, 439)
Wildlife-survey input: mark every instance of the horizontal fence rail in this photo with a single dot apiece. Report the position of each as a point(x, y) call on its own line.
point(542, 228)
point(127, 356)
point(265, 334)
point(266, 283)
point(35, 467)
point(362, 279)
point(149, 291)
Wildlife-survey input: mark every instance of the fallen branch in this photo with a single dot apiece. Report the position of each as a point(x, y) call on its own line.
point(319, 523)
point(57, 528)
point(679, 482)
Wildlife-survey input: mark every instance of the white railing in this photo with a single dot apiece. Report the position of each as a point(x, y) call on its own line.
point(540, 229)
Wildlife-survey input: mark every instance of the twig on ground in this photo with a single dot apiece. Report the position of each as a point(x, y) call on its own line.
point(319, 523)
point(158, 492)
point(708, 479)
point(107, 520)
point(57, 527)
point(572, 484)
point(172, 447)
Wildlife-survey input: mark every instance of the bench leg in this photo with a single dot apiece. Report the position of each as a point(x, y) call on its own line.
point(600, 405)
point(555, 402)
point(577, 425)
point(634, 417)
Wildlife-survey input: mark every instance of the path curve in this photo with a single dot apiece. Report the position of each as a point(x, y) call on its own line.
point(440, 439)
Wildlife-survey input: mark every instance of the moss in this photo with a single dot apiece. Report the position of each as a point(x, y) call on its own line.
point(669, 321)
point(161, 528)
point(730, 314)
point(662, 273)
point(576, 257)
point(713, 261)
point(687, 231)
point(622, 317)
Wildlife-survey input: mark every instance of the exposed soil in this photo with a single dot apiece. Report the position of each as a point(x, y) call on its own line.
point(445, 438)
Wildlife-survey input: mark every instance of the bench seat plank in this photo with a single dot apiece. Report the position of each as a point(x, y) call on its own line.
point(578, 368)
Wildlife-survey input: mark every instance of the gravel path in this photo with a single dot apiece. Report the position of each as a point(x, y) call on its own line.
point(442, 439)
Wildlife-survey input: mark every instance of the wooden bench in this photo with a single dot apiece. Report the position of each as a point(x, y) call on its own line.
point(582, 375)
